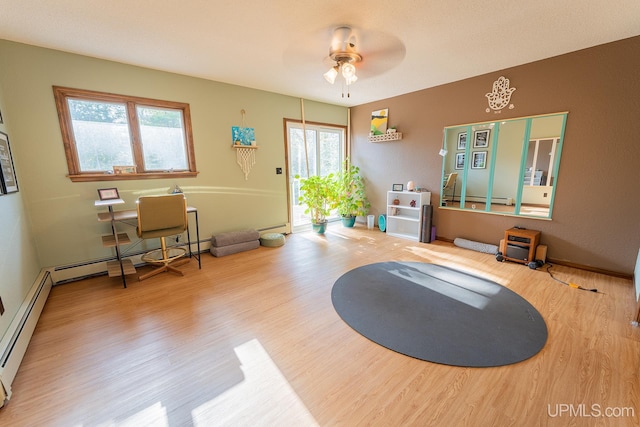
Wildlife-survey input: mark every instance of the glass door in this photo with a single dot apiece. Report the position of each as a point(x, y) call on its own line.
point(324, 154)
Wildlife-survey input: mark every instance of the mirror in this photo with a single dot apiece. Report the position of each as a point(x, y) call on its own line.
point(505, 167)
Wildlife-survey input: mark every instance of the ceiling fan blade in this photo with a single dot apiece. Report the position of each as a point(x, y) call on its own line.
point(380, 53)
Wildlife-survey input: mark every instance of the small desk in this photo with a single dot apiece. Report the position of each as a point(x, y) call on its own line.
point(132, 214)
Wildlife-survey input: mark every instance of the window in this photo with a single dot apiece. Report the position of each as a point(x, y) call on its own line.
point(112, 137)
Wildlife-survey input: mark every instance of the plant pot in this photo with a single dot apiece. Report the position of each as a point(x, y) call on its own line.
point(348, 221)
point(319, 228)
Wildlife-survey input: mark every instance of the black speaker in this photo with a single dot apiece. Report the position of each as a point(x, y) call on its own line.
point(517, 252)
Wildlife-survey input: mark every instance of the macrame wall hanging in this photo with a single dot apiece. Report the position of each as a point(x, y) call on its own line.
point(244, 142)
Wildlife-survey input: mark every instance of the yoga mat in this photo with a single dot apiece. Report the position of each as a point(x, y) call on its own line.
point(439, 314)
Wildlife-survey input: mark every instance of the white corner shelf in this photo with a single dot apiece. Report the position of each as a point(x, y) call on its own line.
point(395, 136)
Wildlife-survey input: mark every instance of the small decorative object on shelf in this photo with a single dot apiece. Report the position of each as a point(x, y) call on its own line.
point(397, 187)
point(122, 170)
point(411, 186)
point(108, 193)
point(412, 203)
point(396, 201)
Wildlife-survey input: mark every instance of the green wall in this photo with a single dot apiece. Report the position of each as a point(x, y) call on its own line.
point(19, 265)
point(62, 214)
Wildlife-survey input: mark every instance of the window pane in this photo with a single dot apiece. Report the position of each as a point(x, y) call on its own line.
point(330, 152)
point(297, 162)
point(101, 132)
point(163, 141)
point(311, 151)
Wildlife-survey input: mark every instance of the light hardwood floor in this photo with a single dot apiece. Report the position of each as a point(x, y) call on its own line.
point(253, 339)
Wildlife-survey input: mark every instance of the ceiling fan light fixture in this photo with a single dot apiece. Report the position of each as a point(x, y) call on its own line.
point(331, 75)
point(348, 71)
point(343, 53)
point(351, 79)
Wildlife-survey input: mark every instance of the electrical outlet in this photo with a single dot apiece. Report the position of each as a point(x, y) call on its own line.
point(278, 171)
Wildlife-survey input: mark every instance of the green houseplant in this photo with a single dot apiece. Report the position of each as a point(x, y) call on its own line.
point(319, 194)
point(352, 199)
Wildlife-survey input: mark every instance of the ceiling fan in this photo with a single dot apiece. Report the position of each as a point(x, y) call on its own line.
point(370, 51)
point(343, 53)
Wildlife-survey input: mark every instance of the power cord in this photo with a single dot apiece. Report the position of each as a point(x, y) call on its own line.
point(570, 284)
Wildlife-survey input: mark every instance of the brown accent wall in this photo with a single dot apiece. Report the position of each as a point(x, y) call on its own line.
point(596, 217)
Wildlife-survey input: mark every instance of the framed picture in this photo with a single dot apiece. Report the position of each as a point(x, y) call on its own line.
point(462, 141)
point(120, 170)
point(108, 193)
point(243, 136)
point(379, 121)
point(479, 160)
point(398, 187)
point(9, 184)
point(459, 160)
point(481, 138)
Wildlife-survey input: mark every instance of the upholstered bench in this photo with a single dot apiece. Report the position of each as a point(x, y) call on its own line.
point(233, 242)
point(272, 240)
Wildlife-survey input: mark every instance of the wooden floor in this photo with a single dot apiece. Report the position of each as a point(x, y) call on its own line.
point(253, 339)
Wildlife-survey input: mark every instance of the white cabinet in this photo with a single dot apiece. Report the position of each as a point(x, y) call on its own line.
point(404, 213)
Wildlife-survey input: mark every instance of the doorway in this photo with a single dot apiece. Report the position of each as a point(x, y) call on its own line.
point(324, 154)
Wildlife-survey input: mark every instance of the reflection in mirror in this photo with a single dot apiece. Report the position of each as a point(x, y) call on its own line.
point(508, 167)
point(507, 163)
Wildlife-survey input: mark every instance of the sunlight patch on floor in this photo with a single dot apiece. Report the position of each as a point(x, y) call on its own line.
point(154, 415)
point(455, 261)
point(472, 292)
point(263, 398)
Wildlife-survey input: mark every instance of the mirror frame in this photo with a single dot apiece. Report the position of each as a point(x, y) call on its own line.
point(452, 147)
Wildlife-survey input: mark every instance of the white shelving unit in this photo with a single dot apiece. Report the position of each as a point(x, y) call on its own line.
point(405, 218)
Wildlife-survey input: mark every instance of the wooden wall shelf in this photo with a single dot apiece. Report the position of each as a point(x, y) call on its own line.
point(396, 136)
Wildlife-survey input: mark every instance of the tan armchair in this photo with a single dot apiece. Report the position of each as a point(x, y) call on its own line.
point(160, 217)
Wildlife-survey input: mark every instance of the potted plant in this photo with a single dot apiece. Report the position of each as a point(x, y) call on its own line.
point(319, 195)
point(352, 199)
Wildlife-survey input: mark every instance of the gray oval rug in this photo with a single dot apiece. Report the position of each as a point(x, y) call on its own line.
point(439, 314)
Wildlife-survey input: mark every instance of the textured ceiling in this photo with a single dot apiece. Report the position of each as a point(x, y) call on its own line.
point(282, 45)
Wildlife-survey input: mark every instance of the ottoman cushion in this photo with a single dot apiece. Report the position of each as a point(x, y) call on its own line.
point(272, 240)
point(233, 237)
point(219, 251)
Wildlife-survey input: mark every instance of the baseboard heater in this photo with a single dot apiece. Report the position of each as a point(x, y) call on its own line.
point(15, 341)
point(282, 228)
